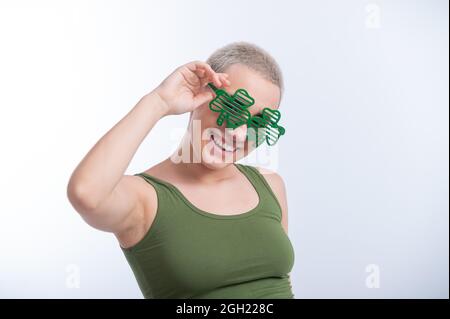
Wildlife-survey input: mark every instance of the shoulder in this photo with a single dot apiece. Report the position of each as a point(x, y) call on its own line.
point(274, 180)
point(276, 183)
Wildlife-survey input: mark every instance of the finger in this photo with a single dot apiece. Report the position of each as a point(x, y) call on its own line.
point(203, 97)
point(203, 77)
point(224, 79)
point(210, 73)
point(204, 81)
point(200, 73)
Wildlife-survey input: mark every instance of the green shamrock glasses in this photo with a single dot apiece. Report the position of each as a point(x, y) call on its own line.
point(233, 111)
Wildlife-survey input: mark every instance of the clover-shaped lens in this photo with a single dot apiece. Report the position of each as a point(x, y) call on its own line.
point(265, 126)
point(233, 111)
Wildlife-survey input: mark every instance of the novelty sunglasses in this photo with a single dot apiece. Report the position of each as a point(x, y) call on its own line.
point(233, 112)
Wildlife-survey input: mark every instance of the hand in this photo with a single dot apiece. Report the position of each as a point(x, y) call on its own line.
point(186, 88)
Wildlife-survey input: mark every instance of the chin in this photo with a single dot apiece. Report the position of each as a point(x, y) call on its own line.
point(213, 161)
point(215, 165)
point(215, 155)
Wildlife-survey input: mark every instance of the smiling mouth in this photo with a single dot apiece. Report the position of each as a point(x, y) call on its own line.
point(223, 146)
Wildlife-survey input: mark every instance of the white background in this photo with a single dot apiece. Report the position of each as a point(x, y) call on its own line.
point(365, 158)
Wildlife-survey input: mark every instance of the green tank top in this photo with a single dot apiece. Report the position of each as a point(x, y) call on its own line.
point(190, 253)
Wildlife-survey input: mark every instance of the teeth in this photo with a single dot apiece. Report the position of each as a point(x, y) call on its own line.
point(224, 147)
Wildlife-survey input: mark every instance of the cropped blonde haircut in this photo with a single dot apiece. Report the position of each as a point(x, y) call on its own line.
point(251, 56)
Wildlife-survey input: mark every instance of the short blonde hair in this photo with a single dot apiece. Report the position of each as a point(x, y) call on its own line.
point(251, 56)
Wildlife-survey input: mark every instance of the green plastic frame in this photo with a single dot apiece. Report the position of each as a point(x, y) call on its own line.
point(233, 111)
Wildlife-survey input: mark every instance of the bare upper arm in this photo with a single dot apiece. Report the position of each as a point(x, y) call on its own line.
point(276, 183)
point(125, 210)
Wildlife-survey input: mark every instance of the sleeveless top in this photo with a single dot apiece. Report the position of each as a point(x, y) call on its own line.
point(189, 253)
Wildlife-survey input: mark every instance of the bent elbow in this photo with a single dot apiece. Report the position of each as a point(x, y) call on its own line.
point(81, 198)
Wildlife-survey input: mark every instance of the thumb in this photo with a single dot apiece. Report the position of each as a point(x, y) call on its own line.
point(201, 98)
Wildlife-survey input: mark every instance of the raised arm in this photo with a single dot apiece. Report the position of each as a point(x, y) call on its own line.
point(98, 189)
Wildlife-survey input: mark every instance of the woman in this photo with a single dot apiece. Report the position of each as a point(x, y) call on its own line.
point(202, 227)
